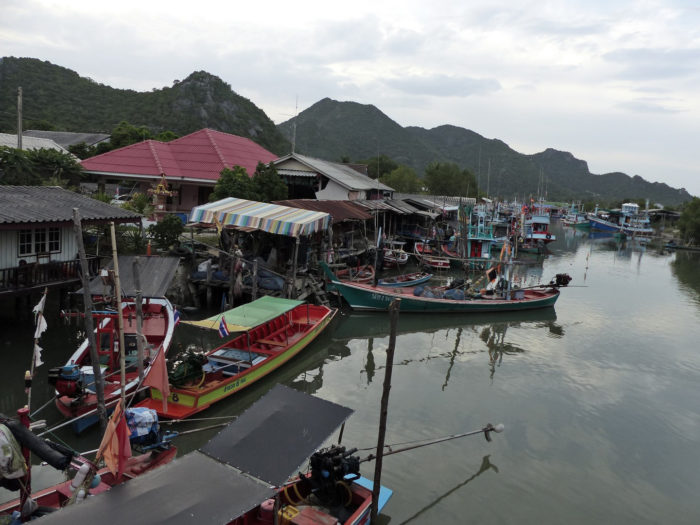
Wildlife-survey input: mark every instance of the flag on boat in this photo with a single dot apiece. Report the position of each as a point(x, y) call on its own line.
point(115, 447)
point(223, 329)
point(39, 316)
point(176, 317)
point(157, 377)
point(37, 355)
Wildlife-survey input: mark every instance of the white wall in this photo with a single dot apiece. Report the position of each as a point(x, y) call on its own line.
point(9, 247)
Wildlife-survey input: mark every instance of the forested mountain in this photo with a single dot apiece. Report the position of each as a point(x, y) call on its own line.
point(332, 130)
point(57, 98)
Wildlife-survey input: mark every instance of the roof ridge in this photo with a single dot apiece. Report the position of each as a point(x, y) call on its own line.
point(208, 131)
point(156, 156)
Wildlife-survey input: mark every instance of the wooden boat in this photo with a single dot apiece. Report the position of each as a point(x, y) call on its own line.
point(427, 257)
point(367, 297)
point(241, 476)
point(394, 254)
point(156, 453)
point(357, 274)
point(75, 381)
point(241, 361)
point(407, 279)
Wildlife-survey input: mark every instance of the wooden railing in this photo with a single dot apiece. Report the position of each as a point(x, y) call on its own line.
point(34, 274)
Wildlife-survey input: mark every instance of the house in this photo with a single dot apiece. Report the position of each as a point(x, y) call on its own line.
point(308, 177)
point(37, 243)
point(190, 165)
point(65, 139)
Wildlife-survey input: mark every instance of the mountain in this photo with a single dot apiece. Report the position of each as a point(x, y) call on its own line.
point(57, 97)
point(331, 130)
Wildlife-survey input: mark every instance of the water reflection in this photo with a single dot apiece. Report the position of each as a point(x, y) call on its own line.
point(684, 268)
point(485, 465)
point(458, 331)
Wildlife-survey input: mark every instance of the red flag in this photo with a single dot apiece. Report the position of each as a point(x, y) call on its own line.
point(115, 446)
point(157, 377)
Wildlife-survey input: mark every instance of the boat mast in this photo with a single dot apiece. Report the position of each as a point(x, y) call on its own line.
point(120, 317)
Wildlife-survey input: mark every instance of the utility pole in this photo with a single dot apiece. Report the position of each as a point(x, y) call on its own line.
point(19, 118)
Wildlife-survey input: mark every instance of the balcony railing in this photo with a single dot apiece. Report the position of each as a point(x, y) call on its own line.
point(35, 274)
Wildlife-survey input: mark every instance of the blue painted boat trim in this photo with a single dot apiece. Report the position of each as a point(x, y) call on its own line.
point(384, 492)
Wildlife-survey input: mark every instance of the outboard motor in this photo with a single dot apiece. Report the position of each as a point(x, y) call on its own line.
point(329, 466)
point(562, 279)
point(67, 380)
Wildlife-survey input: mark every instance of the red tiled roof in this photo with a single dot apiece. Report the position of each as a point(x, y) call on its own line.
point(199, 155)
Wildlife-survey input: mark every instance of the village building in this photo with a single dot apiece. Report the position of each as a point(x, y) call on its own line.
point(10, 140)
point(65, 139)
point(309, 178)
point(38, 247)
point(188, 167)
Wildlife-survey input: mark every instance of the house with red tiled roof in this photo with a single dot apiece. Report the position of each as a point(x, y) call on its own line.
point(191, 165)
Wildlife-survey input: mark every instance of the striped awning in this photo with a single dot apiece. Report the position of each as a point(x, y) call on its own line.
point(271, 218)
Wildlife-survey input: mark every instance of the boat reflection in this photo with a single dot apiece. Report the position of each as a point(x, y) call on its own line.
point(684, 268)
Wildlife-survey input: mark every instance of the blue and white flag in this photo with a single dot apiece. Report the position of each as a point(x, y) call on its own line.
point(223, 329)
point(176, 317)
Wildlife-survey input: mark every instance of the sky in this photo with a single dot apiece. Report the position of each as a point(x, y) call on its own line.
point(614, 82)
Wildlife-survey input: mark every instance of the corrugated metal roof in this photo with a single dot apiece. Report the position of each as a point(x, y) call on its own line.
point(200, 155)
point(377, 205)
point(10, 140)
point(40, 204)
point(339, 210)
point(296, 173)
point(343, 174)
point(402, 206)
point(155, 275)
point(67, 138)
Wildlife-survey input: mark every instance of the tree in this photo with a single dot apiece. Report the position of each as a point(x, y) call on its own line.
point(445, 178)
point(379, 166)
point(403, 179)
point(82, 150)
point(56, 168)
point(16, 168)
point(166, 136)
point(689, 222)
point(267, 184)
point(140, 203)
point(167, 231)
point(126, 134)
point(234, 183)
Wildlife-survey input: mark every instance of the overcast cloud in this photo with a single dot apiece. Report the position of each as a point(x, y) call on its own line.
point(614, 83)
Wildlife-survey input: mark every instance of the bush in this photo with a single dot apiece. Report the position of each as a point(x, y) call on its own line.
point(167, 231)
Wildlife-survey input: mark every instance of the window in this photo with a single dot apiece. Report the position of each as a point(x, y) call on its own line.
point(40, 241)
point(54, 240)
point(25, 242)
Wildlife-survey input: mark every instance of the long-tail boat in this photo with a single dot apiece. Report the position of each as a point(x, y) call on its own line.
point(75, 381)
point(500, 298)
point(201, 379)
point(406, 279)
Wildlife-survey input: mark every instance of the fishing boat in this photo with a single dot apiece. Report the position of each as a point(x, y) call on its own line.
point(144, 434)
point(427, 256)
point(407, 279)
point(357, 274)
point(394, 254)
point(536, 226)
point(200, 379)
point(628, 220)
point(75, 381)
point(242, 475)
point(500, 298)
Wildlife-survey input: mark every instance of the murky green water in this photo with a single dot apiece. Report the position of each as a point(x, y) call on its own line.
point(599, 395)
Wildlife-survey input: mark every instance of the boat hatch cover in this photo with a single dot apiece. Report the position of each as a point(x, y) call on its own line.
point(270, 440)
point(277, 434)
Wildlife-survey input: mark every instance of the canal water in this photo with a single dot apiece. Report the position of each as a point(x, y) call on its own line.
point(599, 395)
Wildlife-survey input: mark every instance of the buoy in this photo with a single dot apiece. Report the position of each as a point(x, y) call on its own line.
point(79, 477)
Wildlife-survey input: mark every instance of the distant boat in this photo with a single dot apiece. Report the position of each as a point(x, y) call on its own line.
point(418, 299)
point(75, 381)
point(394, 254)
point(627, 220)
point(408, 279)
point(428, 257)
point(357, 274)
point(204, 379)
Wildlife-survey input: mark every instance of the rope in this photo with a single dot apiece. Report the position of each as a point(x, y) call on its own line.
point(42, 407)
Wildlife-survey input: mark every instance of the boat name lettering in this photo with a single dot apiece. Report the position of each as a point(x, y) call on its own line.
point(380, 297)
point(234, 385)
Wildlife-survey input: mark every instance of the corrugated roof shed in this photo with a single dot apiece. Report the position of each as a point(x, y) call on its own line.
point(199, 156)
point(155, 276)
point(377, 205)
point(10, 140)
point(338, 210)
point(42, 204)
point(67, 138)
point(343, 174)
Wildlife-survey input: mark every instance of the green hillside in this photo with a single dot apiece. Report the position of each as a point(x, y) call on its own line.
point(57, 98)
point(331, 130)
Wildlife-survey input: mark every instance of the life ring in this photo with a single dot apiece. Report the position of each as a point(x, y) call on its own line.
point(524, 209)
point(520, 240)
point(549, 236)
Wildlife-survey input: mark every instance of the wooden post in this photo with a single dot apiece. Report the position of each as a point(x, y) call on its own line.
point(231, 277)
point(255, 279)
point(89, 325)
point(120, 316)
point(291, 291)
point(139, 318)
point(393, 322)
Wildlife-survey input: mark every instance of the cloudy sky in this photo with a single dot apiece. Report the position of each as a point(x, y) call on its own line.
point(614, 82)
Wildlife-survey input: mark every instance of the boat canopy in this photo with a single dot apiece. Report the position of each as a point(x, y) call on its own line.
point(270, 439)
point(249, 315)
point(252, 215)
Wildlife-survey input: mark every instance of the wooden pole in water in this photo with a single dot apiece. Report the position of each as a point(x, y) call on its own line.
point(89, 325)
point(139, 318)
point(393, 322)
point(120, 316)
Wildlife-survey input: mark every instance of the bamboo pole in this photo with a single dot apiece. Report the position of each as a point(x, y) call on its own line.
point(139, 318)
point(393, 321)
point(89, 325)
point(29, 376)
point(120, 316)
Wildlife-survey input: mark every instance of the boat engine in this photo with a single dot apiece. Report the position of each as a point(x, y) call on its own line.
point(67, 379)
point(329, 468)
point(562, 279)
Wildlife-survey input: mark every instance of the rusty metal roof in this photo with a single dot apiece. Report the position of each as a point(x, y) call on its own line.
point(338, 210)
point(51, 204)
point(155, 276)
